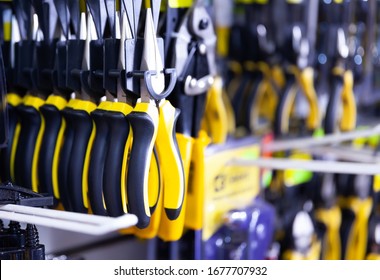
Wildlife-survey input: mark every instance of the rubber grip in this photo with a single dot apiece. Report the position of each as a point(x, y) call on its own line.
point(332, 121)
point(170, 161)
point(5, 172)
point(185, 103)
point(64, 161)
point(30, 121)
point(118, 135)
point(282, 115)
point(249, 106)
point(83, 126)
point(199, 111)
point(144, 123)
point(237, 100)
point(97, 163)
point(72, 164)
point(53, 122)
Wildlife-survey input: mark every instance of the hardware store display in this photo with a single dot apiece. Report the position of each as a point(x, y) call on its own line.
point(189, 129)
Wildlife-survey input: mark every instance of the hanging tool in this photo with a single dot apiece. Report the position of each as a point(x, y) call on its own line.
point(329, 214)
point(51, 110)
point(79, 131)
point(13, 96)
point(257, 86)
point(40, 51)
point(194, 47)
point(299, 75)
point(105, 11)
point(152, 123)
point(340, 113)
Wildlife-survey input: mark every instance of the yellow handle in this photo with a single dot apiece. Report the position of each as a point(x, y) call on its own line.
point(307, 84)
point(215, 119)
point(348, 120)
point(357, 242)
point(332, 218)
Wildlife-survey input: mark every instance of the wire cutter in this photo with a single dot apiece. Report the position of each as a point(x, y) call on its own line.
point(194, 49)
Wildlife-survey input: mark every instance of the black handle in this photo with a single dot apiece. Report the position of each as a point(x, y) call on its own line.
point(118, 135)
point(83, 126)
point(5, 172)
point(53, 123)
point(250, 105)
point(285, 102)
point(331, 121)
point(97, 163)
point(238, 99)
point(144, 124)
point(30, 122)
point(199, 111)
point(79, 127)
point(185, 103)
point(64, 161)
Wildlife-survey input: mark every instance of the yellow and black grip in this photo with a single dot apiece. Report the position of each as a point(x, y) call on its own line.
point(297, 80)
point(283, 110)
point(170, 161)
point(13, 100)
point(73, 167)
point(116, 158)
point(97, 160)
point(51, 141)
point(29, 142)
point(341, 101)
point(331, 121)
point(144, 126)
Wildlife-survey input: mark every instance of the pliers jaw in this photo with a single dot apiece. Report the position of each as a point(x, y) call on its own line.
point(196, 40)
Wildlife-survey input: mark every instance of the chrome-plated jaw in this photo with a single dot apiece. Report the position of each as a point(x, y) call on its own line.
point(152, 67)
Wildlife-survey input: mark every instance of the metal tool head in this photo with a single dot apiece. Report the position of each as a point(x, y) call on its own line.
point(110, 6)
point(201, 26)
point(97, 9)
point(75, 17)
point(61, 7)
point(15, 38)
point(151, 61)
point(125, 34)
point(196, 26)
point(22, 11)
point(91, 35)
point(133, 9)
point(47, 18)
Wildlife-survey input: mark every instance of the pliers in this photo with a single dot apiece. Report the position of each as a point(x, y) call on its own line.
point(79, 130)
point(152, 123)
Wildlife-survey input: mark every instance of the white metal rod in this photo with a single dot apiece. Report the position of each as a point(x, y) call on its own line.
point(97, 225)
point(343, 153)
point(311, 165)
point(282, 145)
point(55, 214)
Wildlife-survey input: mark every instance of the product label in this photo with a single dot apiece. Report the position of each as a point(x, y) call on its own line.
point(228, 186)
